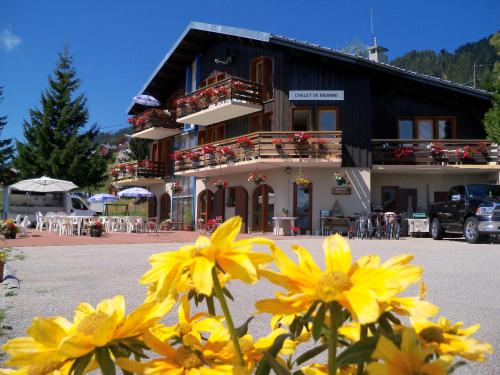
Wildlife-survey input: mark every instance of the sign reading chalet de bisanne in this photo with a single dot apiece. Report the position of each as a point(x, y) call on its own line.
point(316, 95)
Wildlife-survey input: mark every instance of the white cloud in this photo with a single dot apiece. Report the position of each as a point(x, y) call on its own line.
point(9, 40)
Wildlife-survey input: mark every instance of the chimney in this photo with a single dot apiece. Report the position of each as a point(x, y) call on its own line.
point(377, 53)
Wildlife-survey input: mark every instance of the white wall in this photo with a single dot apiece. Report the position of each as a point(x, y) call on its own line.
point(426, 184)
point(323, 181)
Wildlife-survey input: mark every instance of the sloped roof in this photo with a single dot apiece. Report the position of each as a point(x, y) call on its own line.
point(304, 46)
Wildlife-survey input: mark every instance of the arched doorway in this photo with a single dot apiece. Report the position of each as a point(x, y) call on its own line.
point(263, 209)
point(240, 199)
point(165, 206)
point(205, 205)
point(151, 206)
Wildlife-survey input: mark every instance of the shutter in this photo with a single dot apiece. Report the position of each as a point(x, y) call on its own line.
point(267, 74)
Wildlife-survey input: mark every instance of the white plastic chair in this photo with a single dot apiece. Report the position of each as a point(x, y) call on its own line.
point(24, 226)
point(18, 219)
point(65, 226)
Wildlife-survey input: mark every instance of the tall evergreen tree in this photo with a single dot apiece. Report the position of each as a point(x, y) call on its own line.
point(6, 151)
point(492, 117)
point(57, 143)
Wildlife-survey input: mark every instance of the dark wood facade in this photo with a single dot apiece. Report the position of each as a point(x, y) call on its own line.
point(373, 102)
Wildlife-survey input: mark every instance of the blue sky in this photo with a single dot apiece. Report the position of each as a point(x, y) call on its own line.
point(118, 44)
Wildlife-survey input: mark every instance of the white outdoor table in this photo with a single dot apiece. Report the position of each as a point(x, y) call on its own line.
point(80, 219)
point(418, 226)
point(279, 225)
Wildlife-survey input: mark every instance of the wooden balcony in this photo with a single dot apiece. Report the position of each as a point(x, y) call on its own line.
point(142, 173)
point(436, 154)
point(155, 124)
point(265, 150)
point(227, 99)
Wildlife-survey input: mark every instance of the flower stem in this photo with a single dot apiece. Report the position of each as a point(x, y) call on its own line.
point(227, 314)
point(335, 311)
point(210, 305)
point(363, 334)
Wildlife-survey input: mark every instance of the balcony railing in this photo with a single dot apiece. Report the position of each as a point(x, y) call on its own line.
point(434, 152)
point(230, 98)
point(155, 124)
point(274, 148)
point(146, 170)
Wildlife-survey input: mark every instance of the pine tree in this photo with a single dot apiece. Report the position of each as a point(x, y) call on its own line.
point(6, 151)
point(58, 144)
point(492, 117)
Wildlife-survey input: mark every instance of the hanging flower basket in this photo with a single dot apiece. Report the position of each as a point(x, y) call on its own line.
point(339, 179)
point(221, 184)
point(302, 181)
point(177, 187)
point(257, 178)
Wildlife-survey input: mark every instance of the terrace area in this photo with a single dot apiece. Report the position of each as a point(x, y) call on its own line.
point(227, 99)
point(155, 124)
point(143, 173)
point(269, 149)
point(452, 154)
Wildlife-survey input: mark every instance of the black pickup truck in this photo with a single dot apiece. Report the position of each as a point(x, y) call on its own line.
point(472, 209)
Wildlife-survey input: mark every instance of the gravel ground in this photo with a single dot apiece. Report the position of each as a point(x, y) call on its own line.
point(462, 279)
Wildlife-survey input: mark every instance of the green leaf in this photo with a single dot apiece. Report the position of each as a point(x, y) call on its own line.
point(275, 365)
point(267, 362)
point(120, 351)
point(456, 365)
point(311, 310)
point(79, 366)
point(134, 348)
point(243, 329)
point(319, 322)
point(228, 294)
point(384, 324)
point(392, 318)
point(359, 352)
point(105, 362)
point(311, 354)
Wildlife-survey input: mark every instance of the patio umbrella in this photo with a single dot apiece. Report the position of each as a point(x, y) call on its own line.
point(135, 192)
point(44, 185)
point(102, 198)
point(147, 100)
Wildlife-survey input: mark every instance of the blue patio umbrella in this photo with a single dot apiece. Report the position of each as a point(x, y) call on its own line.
point(102, 198)
point(146, 100)
point(135, 192)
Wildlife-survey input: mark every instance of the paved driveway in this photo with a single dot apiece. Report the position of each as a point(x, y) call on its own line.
point(464, 280)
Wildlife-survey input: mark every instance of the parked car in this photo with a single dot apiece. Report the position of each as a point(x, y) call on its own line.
point(473, 210)
point(17, 202)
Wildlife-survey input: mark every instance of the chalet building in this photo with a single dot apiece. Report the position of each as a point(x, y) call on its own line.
point(332, 133)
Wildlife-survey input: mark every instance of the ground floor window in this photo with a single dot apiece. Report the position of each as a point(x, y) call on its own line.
point(179, 206)
point(205, 205)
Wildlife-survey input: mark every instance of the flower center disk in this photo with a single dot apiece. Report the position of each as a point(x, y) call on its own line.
point(90, 323)
point(187, 358)
point(331, 284)
point(432, 334)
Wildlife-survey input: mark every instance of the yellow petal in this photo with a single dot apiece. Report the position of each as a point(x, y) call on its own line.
point(305, 259)
point(385, 350)
point(132, 366)
point(49, 331)
point(75, 346)
point(362, 303)
point(82, 311)
point(274, 306)
point(201, 273)
point(105, 332)
point(25, 350)
point(184, 310)
point(239, 267)
point(227, 231)
point(337, 254)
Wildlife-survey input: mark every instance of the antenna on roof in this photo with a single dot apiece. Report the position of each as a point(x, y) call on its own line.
point(376, 52)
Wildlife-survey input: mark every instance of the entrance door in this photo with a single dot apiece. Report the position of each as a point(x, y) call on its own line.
point(408, 200)
point(390, 198)
point(302, 207)
point(165, 206)
point(241, 206)
point(205, 205)
point(152, 206)
point(263, 208)
point(219, 204)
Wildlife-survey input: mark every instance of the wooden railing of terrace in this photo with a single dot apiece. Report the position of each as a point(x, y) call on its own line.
point(137, 170)
point(434, 152)
point(263, 146)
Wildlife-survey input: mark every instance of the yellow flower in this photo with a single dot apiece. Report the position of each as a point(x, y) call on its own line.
point(412, 306)
point(351, 331)
point(447, 338)
point(189, 328)
point(410, 359)
point(183, 359)
point(359, 287)
point(46, 369)
point(318, 369)
point(107, 322)
point(233, 257)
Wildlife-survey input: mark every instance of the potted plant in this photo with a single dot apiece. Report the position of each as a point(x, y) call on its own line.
point(339, 179)
point(299, 138)
point(227, 152)
point(3, 260)
point(278, 143)
point(221, 184)
point(257, 178)
point(187, 218)
point(9, 229)
point(245, 143)
point(285, 211)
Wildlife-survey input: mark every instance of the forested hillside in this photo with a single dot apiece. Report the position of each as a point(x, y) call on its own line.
point(455, 66)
